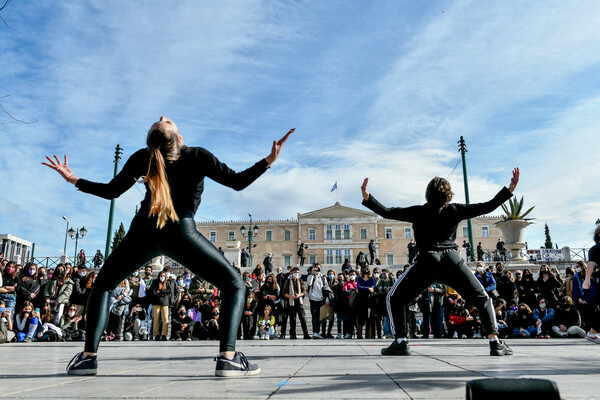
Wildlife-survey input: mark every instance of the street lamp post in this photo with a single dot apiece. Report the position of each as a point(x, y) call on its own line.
point(66, 231)
point(250, 233)
point(77, 234)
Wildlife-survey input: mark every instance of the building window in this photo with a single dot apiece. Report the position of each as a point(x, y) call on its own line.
point(485, 231)
point(287, 235)
point(338, 232)
point(213, 236)
point(407, 233)
point(465, 230)
point(389, 259)
point(287, 261)
point(312, 258)
point(231, 236)
point(328, 232)
point(328, 256)
point(363, 233)
point(338, 256)
point(269, 236)
point(388, 233)
point(348, 254)
point(346, 231)
point(312, 234)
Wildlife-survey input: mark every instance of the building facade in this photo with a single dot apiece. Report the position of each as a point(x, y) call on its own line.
point(334, 234)
point(15, 249)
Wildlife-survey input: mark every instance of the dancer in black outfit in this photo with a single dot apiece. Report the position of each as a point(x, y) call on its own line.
point(438, 259)
point(174, 179)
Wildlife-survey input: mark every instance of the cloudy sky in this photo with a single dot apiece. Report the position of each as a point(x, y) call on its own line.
point(379, 89)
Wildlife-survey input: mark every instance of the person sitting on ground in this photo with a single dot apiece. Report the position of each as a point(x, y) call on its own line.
point(212, 325)
point(195, 313)
point(181, 326)
point(543, 316)
point(567, 321)
point(522, 323)
point(266, 324)
point(457, 321)
point(47, 330)
point(503, 330)
point(6, 326)
point(527, 288)
point(58, 291)
point(136, 327)
point(548, 286)
point(28, 287)
point(68, 324)
point(26, 323)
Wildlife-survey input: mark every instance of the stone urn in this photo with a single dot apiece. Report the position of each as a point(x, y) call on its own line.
point(513, 231)
point(233, 244)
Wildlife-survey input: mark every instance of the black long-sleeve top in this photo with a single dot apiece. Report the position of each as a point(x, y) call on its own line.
point(435, 228)
point(185, 175)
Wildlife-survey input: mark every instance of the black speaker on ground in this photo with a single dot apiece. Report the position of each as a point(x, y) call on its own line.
point(512, 389)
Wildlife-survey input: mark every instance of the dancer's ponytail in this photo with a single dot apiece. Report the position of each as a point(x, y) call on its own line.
point(161, 203)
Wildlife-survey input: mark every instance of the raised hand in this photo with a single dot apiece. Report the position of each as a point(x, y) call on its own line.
point(364, 190)
point(58, 166)
point(515, 180)
point(277, 146)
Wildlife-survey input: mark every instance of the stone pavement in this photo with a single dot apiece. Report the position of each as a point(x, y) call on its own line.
point(296, 369)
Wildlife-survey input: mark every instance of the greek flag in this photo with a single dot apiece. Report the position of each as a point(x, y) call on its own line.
point(334, 187)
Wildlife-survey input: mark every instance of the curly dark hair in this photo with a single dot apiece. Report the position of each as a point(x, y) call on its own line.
point(438, 193)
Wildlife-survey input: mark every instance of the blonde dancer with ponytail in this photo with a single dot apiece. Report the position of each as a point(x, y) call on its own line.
point(174, 178)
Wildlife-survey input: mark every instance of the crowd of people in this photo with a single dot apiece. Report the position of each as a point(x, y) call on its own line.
point(50, 305)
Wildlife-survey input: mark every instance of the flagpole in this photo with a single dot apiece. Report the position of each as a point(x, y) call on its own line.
point(336, 192)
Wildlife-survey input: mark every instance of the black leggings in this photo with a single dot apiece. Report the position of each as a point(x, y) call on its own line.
point(184, 244)
point(445, 267)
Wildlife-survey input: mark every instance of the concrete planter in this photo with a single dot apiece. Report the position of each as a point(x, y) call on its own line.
point(233, 244)
point(513, 232)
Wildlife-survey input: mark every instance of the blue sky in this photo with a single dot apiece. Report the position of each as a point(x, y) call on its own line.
point(380, 89)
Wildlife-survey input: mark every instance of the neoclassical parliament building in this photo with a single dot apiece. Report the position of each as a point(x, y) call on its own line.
point(335, 233)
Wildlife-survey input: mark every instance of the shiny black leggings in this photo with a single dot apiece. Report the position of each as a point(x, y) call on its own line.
point(184, 244)
point(445, 267)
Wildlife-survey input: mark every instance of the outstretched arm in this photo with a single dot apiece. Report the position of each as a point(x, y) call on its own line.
point(475, 210)
point(62, 168)
point(397, 213)
point(364, 190)
point(515, 180)
point(221, 173)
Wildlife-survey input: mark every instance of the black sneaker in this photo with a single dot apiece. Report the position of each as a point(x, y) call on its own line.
point(235, 368)
point(395, 349)
point(499, 348)
point(86, 366)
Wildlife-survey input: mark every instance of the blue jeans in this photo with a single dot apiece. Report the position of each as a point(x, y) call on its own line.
point(529, 331)
point(386, 326)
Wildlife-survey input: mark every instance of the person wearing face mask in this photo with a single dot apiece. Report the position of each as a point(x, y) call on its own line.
point(58, 291)
point(349, 290)
point(521, 322)
point(584, 299)
point(180, 290)
point(28, 287)
point(98, 259)
point(543, 317)
point(136, 327)
point(331, 281)
point(527, 288)
point(80, 294)
point(318, 295)
point(69, 325)
point(161, 291)
point(548, 286)
point(295, 291)
point(120, 299)
point(567, 320)
point(8, 287)
point(438, 261)
point(339, 303)
point(486, 279)
point(269, 294)
point(382, 288)
point(181, 326)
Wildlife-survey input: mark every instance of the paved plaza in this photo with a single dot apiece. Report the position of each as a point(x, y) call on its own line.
point(296, 369)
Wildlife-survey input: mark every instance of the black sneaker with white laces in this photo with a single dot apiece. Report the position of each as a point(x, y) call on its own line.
point(395, 349)
point(499, 348)
point(237, 367)
point(83, 366)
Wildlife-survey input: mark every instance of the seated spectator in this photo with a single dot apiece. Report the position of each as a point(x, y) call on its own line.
point(212, 325)
point(6, 326)
point(486, 279)
point(8, 287)
point(501, 317)
point(181, 326)
point(136, 327)
point(248, 316)
point(266, 324)
point(457, 321)
point(68, 324)
point(527, 288)
point(26, 323)
point(185, 301)
point(47, 330)
point(543, 317)
point(195, 313)
point(567, 321)
point(521, 322)
point(28, 288)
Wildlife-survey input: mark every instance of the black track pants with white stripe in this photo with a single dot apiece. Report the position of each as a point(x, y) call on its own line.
point(445, 267)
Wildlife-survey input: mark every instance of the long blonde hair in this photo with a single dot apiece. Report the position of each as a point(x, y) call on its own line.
point(164, 147)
